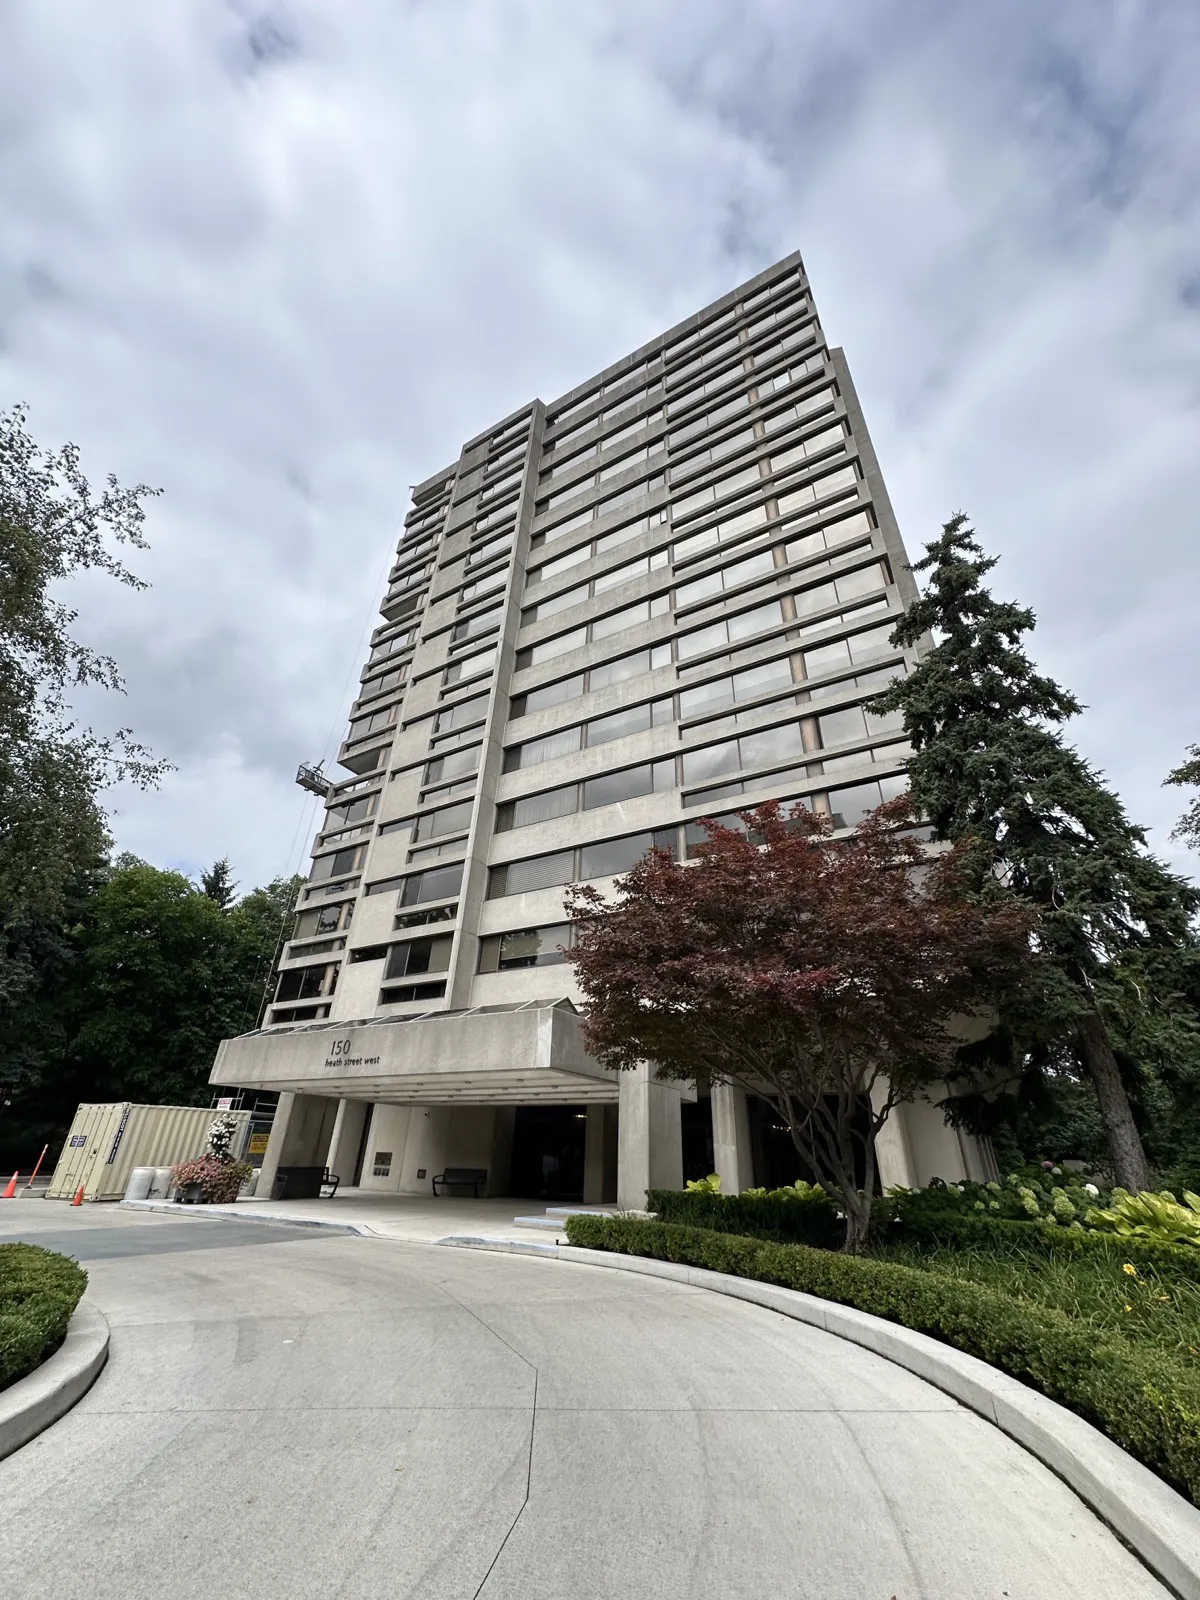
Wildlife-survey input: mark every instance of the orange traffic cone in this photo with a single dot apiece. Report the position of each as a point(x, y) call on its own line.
point(78, 1200)
point(11, 1190)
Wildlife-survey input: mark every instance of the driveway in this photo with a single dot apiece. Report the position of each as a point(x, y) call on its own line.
point(321, 1416)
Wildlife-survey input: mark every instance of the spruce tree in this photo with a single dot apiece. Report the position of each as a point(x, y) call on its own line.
point(989, 760)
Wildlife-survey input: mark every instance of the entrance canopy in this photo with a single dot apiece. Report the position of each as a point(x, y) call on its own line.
point(488, 1055)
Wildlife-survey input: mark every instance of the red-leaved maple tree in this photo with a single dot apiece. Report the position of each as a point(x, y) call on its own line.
point(824, 975)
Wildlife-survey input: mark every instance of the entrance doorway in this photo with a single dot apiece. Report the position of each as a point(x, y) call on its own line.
point(547, 1152)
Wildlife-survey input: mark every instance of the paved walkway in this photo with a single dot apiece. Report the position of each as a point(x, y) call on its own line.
point(323, 1417)
point(394, 1216)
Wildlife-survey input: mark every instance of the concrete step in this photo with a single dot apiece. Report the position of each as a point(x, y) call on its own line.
point(578, 1211)
point(540, 1222)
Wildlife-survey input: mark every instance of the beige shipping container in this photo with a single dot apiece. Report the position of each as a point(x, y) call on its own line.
point(106, 1142)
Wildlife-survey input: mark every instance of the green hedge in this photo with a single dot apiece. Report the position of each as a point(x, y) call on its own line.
point(813, 1222)
point(1147, 1403)
point(39, 1290)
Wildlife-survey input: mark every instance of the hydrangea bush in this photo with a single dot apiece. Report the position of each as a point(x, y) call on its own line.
point(220, 1177)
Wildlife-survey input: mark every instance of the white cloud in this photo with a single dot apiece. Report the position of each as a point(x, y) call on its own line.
point(283, 262)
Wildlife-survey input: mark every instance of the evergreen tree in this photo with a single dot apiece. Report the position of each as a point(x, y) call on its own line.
point(217, 883)
point(1118, 945)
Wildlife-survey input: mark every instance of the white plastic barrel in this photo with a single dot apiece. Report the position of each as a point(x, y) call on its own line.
point(161, 1187)
point(140, 1180)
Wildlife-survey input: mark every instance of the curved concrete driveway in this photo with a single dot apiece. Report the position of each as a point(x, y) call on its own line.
point(331, 1417)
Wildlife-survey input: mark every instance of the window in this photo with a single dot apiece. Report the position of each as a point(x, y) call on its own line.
point(305, 983)
point(526, 947)
point(353, 810)
point(813, 445)
point(567, 866)
point(497, 546)
point(363, 727)
point(453, 765)
point(338, 863)
point(459, 715)
point(326, 919)
point(470, 627)
point(831, 483)
point(642, 611)
point(606, 580)
point(371, 952)
point(566, 741)
point(412, 991)
point(709, 420)
point(393, 643)
point(729, 629)
point(876, 680)
point(761, 565)
point(744, 439)
point(435, 883)
point(716, 491)
point(419, 956)
point(420, 919)
point(606, 789)
point(561, 564)
point(830, 536)
point(469, 666)
point(619, 670)
point(850, 806)
point(841, 652)
point(482, 586)
point(449, 819)
point(374, 687)
point(758, 749)
point(562, 742)
point(619, 724)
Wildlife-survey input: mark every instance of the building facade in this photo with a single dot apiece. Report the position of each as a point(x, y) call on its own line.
point(659, 598)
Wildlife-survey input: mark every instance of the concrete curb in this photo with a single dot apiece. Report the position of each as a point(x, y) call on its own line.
point(34, 1402)
point(1159, 1525)
point(243, 1214)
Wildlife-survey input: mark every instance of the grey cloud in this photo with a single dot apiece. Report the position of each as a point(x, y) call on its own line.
point(283, 259)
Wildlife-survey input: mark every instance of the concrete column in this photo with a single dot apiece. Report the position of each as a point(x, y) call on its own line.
point(597, 1162)
point(732, 1155)
point(649, 1138)
point(893, 1156)
point(938, 1150)
point(347, 1137)
point(300, 1136)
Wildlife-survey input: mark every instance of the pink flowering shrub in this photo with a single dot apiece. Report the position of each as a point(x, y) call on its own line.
point(219, 1180)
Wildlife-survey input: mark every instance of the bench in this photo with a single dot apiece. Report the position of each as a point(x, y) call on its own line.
point(304, 1183)
point(461, 1178)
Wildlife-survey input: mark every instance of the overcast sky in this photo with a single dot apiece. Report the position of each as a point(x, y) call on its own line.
point(283, 260)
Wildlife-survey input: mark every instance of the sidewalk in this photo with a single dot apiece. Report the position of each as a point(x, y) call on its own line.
point(381, 1216)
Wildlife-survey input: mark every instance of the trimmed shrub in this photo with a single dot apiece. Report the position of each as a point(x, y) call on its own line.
point(1147, 1403)
point(39, 1289)
point(220, 1180)
point(779, 1215)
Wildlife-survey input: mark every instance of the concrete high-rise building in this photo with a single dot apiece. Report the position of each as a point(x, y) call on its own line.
point(660, 597)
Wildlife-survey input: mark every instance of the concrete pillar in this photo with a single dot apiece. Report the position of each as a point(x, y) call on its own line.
point(649, 1138)
point(500, 1160)
point(938, 1150)
point(597, 1158)
point(347, 1138)
point(893, 1155)
point(300, 1136)
point(732, 1155)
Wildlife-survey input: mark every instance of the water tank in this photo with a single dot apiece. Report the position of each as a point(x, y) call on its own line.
point(161, 1187)
point(140, 1180)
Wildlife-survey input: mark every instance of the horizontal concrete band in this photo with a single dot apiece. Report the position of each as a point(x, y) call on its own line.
point(1158, 1524)
point(49, 1392)
point(236, 1213)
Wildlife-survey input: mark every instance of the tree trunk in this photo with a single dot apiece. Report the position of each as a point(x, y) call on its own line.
point(1124, 1141)
point(858, 1223)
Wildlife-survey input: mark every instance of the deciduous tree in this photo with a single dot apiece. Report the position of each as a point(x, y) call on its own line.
point(824, 976)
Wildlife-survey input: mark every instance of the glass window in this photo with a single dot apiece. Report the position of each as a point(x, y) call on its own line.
point(552, 569)
point(337, 863)
point(871, 643)
point(453, 765)
point(711, 762)
point(838, 727)
point(418, 956)
point(437, 883)
point(479, 623)
point(771, 744)
point(748, 622)
point(864, 581)
point(804, 448)
point(449, 819)
point(619, 724)
point(626, 667)
point(469, 666)
point(542, 872)
point(619, 855)
point(716, 491)
point(534, 655)
point(761, 680)
point(818, 598)
point(457, 716)
point(563, 742)
point(705, 697)
point(611, 787)
point(528, 947)
point(846, 478)
point(535, 808)
point(550, 694)
point(558, 602)
point(630, 616)
point(494, 580)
